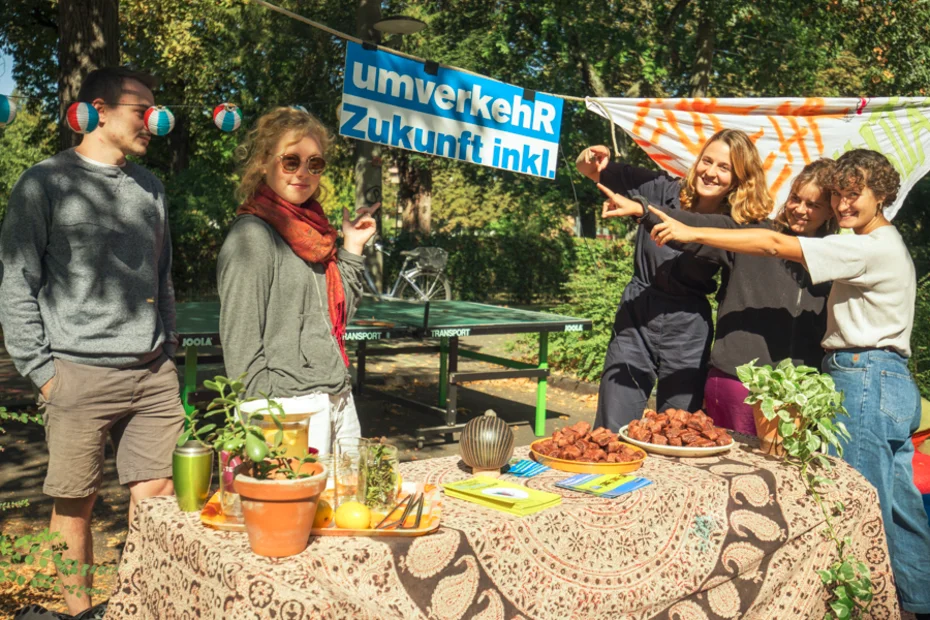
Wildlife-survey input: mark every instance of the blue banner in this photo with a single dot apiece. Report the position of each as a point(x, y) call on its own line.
point(392, 101)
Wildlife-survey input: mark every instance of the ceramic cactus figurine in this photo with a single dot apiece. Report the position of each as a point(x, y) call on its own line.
point(486, 444)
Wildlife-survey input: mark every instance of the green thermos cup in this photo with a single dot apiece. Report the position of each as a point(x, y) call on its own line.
point(192, 470)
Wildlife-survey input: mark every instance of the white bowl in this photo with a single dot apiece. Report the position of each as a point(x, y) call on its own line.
point(676, 450)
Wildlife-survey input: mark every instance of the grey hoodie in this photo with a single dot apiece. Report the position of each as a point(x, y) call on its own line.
point(85, 267)
point(274, 318)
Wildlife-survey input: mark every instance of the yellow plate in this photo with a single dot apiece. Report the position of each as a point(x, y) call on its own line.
point(581, 467)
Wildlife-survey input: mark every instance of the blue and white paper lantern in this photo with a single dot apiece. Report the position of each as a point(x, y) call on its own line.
point(7, 111)
point(227, 117)
point(82, 117)
point(159, 120)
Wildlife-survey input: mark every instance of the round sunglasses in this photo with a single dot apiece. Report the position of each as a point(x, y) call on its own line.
point(291, 163)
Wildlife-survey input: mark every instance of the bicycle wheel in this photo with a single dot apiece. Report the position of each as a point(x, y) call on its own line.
point(421, 285)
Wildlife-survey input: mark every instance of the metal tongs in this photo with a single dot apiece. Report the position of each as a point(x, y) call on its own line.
point(410, 504)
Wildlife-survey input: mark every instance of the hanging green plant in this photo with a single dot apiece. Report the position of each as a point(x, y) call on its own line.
point(804, 406)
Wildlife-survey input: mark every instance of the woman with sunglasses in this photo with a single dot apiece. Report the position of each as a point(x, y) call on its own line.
point(286, 290)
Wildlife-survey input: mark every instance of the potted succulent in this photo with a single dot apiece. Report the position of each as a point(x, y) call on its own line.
point(797, 407)
point(278, 494)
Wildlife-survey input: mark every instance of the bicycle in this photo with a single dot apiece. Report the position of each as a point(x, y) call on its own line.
point(425, 280)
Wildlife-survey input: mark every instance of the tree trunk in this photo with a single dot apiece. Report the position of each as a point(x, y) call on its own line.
point(703, 60)
point(88, 39)
point(415, 193)
point(368, 154)
point(179, 140)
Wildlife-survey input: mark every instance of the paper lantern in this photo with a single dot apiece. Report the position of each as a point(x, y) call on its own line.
point(300, 108)
point(159, 120)
point(82, 117)
point(7, 111)
point(227, 117)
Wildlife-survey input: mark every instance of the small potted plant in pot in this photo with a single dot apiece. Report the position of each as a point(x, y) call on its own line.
point(278, 494)
point(789, 402)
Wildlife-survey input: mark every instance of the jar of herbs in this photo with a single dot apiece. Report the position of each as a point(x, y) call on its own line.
point(381, 476)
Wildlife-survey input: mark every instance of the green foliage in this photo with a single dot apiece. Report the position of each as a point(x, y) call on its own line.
point(39, 550)
point(920, 338)
point(201, 206)
point(518, 266)
point(598, 277)
point(26, 142)
point(807, 404)
point(239, 433)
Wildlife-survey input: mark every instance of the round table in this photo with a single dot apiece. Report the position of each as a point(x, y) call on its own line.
point(715, 537)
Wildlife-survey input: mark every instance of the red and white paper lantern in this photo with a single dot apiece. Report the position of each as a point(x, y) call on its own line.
point(159, 120)
point(82, 117)
point(227, 117)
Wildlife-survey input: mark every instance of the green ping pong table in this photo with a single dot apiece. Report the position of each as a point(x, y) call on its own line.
point(441, 322)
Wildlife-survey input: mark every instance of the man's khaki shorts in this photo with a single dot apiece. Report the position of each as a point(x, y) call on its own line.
point(139, 407)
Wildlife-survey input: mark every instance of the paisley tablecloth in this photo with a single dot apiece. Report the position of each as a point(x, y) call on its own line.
point(720, 537)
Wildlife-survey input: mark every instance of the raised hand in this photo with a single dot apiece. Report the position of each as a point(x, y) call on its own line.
point(617, 205)
point(671, 229)
point(357, 232)
point(592, 161)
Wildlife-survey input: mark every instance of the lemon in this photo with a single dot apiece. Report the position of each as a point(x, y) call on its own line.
point(324, 514)
point(353, 516)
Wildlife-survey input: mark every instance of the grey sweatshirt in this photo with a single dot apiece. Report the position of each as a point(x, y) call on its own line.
point(274, 318)
point(85, 267)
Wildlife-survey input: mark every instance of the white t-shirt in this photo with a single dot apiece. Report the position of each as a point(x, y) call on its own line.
point(871, 305)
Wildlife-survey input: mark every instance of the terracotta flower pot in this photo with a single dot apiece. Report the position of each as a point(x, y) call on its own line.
point(767, 430)
point(279, 513)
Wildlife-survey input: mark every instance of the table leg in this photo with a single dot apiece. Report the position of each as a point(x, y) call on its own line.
point(541, 384)
point(360, 367)
point(452, 402)
point(190, 376)
point(443, 371)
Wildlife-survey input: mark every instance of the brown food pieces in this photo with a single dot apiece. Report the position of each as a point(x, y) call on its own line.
point(676, 427)
point(579, 443)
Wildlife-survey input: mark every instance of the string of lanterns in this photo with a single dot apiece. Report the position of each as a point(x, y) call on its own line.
point(83, 118)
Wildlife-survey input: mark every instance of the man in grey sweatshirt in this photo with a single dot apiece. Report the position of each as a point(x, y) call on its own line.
point(87, 308)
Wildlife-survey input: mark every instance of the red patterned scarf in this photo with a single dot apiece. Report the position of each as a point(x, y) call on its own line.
point(312, 238)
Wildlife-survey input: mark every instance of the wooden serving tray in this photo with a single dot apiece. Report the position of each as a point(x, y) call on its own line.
point(212, 516)
point(581, 467)
point(429, 522)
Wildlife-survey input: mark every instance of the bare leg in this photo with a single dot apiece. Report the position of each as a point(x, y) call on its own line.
point(145, 489)
point(71, 519)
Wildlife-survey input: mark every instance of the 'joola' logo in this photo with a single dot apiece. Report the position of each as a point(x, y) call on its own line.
point(197, 342)
point(574, 328)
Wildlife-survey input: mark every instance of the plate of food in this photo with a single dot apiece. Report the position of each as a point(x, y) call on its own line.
point(676, 432)
point(580, 450)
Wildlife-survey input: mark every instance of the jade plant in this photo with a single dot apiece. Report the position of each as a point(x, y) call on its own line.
point(238, 432)
point(807, 406)
point(21, 555)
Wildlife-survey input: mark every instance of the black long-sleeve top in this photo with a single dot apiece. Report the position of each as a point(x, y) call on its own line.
point(665, 269)
point(768, 307)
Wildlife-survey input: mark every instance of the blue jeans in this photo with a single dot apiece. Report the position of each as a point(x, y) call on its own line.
point(884, 411)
